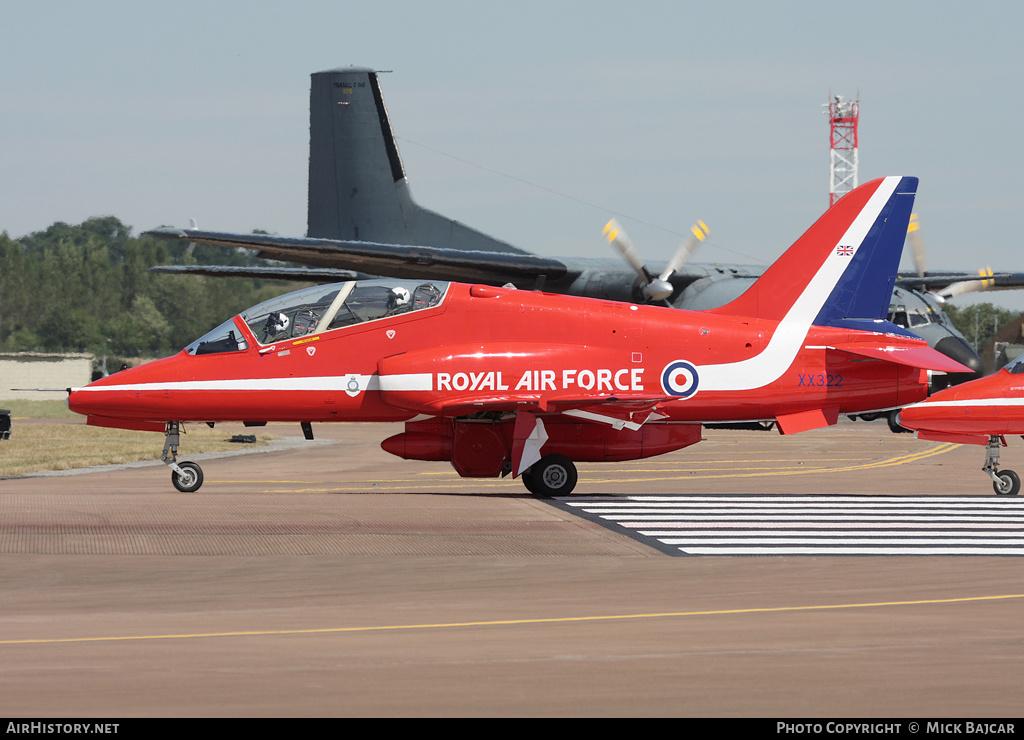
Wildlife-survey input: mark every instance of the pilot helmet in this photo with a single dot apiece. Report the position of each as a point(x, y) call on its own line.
point(278, 321)
point(399, 297)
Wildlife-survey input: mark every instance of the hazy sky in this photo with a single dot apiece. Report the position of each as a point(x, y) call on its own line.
point(532, 121)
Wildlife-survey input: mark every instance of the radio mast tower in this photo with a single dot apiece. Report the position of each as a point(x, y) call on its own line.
point(843, 116)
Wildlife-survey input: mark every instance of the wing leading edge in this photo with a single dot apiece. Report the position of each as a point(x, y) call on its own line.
point(372, 258)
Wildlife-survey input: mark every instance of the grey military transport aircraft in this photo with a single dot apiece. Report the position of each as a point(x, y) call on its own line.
point(363, 222)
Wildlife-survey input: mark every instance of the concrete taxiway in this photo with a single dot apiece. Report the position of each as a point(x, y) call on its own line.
point(334, 579)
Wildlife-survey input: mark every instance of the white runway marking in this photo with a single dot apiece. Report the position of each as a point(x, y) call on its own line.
point(813, 525)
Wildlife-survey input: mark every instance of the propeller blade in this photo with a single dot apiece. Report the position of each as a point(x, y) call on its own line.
point(653, 288)
point(192, 226)
point(616, 236)
point(698, 233)
point(967, 286)
point(916, 246)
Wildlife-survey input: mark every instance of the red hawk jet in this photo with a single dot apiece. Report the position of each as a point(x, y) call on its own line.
point(498, 380)
point(980, 412)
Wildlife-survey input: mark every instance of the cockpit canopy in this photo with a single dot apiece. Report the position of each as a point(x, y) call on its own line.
point(319, 309)
point(1015, 366)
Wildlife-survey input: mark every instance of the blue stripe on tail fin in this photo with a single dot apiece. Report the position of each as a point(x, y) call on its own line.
point(843, 268)
point(865, 289)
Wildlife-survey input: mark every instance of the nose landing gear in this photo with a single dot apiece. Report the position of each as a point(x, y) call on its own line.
point(1006, 482)
point(186, 476)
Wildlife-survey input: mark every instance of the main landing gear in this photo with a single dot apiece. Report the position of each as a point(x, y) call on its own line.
point(552, 475)
point(894, 425)
point(187, 476)
point(1005, 482)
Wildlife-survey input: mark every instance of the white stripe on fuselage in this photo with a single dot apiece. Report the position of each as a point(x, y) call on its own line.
point(769, 365)
point(407, 382)
point(969, 402)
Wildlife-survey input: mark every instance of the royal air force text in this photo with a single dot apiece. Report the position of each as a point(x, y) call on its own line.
point(627, 379)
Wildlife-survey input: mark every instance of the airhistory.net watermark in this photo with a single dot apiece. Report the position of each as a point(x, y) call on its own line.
point(62, 728)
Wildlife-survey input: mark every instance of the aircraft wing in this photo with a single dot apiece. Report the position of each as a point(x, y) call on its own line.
point(627, 415)
point(372, 258)
point(300, 274)
point(630, 411)
point(937, 281)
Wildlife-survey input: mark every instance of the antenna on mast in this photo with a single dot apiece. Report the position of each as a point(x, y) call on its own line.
point(843, 117)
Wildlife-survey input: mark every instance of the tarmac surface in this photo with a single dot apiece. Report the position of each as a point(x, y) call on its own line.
point(332, 579)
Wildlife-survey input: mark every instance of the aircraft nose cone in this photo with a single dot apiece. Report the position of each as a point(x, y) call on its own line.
point(959, 350)
point(907, 417)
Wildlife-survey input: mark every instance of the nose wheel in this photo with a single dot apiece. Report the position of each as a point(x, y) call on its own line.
point(1008, 483)
point(186, 476)
point(1004, 482)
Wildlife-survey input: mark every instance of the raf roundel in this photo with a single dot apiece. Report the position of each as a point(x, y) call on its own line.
point(679, 378)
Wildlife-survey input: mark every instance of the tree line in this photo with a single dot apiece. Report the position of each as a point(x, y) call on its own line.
point(980, 322)
point(87, 288)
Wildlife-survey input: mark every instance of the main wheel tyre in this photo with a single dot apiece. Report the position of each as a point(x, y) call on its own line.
point(894, 426)
point(190, 478)
point(1008, 485)
point(552, 475)
point(527, 480)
